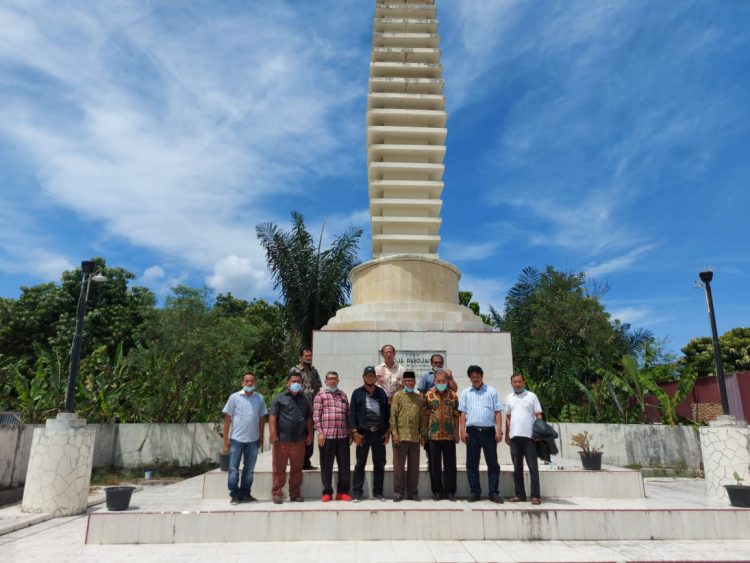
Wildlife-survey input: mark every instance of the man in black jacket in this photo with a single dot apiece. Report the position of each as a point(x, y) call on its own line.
point(369, 418)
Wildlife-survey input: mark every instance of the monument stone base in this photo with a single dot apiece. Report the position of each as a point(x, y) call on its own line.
point(59, 473)
point(725, 445)
point(406, 292)
point(349, 351)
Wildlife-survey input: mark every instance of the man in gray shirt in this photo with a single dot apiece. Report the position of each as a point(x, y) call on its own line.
point(246, 413)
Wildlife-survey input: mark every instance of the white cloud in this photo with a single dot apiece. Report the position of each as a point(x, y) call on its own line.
point(469, 252)
point(485, 291)
point(172, 145)
point(48, 266)
point(637, 316)
point(617, 263)
point(153, 274)
point(239, 276)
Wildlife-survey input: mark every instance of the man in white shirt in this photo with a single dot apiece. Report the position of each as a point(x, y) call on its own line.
point(245, 412)
point(522, 408)
point(389, 373)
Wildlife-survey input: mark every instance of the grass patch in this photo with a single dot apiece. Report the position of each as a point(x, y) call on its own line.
point(162, 471)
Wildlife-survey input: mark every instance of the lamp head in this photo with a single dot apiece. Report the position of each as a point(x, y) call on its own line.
point(706, 276)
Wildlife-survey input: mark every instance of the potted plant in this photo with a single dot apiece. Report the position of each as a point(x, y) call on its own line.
point(739, 494)
point(591, 456)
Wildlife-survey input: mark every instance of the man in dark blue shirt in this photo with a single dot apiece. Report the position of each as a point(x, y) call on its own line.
point(369, 418)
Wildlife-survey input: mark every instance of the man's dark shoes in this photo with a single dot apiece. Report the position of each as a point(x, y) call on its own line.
point(248, 498)
point(451, 497)
point(397, 498)
point(437, 496)
point(234, 500)
point(415, 498)
point(278, 500)
point(379, 497)
point(496, 499)
point(517, 499)
point(297, 499)
point(473, 499)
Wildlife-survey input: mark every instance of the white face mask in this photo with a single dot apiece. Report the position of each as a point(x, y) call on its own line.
point(248, 388)
point(295, 387)
point(332, 389)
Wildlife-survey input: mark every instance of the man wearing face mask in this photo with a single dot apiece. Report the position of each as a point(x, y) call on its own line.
point(441, 421)
point(522, 408)
point(311, 385)
point(245, 412)
point(331, 422)
point(437, 364)
point(290, 426)
point(369, 416)
point(407, 410)
point(427, 382)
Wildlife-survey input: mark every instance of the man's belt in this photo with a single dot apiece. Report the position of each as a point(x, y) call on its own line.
point(372, 428)
point(480, 428)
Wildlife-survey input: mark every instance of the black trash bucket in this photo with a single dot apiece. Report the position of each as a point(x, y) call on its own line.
point(118, 498)
point(224, 461)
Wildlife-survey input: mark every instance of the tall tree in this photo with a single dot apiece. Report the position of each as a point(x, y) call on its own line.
point(314, 283)
point(561, 335)
point(735, 352)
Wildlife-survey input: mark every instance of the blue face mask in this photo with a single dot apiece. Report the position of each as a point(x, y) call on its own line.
point(248, 388)
point(409, 390)
point(295, 387)
point(519, 391)
point(441, 386)
point(332, 389)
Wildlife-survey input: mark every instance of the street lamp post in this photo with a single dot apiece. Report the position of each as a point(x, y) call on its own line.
point(706, 278)
point(87, 268)
point(62, 451)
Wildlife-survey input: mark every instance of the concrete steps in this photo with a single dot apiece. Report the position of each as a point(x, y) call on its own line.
point(570, 483)
point(555, 519)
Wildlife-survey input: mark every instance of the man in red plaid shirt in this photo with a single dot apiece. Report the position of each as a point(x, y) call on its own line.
point(331, 421)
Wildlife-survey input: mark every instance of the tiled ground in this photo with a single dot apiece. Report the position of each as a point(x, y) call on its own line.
point(62, 539)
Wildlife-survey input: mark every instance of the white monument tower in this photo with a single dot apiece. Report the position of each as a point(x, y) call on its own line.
point(406, 295)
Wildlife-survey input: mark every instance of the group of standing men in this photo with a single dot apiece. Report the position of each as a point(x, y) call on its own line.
point(389, 406)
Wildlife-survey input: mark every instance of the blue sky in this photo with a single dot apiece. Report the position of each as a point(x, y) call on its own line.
point(609, 137)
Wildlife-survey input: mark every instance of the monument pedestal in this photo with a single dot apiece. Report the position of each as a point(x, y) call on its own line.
point(725, 446)
point(411, 302)
point(349, 351)
point(59, 473)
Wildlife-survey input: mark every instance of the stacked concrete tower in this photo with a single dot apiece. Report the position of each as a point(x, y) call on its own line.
point(406, 295)
point(405, 287)
point(406, 130)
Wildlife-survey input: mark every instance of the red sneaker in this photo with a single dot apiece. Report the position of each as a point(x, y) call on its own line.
point(344, 497)
point(326, 498)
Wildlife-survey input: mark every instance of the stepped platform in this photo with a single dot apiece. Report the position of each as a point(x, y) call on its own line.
point(668, 509)
point(611, 482)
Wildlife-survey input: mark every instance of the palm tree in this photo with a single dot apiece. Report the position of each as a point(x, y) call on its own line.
point(314, 284)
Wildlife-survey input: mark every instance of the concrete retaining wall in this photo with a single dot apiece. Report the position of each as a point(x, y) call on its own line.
point(124, 445)
point(646, 445)
point(129, 445)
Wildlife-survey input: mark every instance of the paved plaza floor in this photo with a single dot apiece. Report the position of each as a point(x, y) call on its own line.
point(62, 539)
